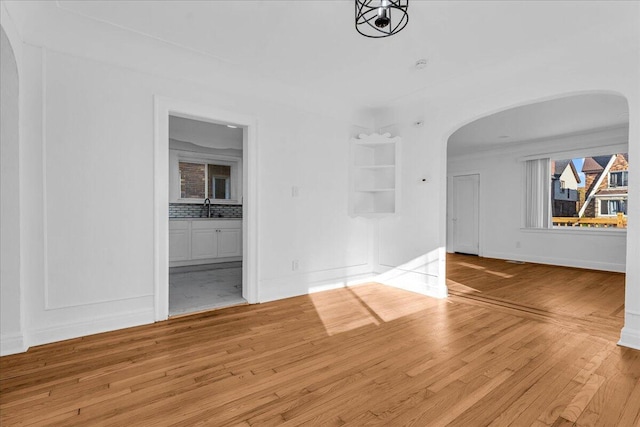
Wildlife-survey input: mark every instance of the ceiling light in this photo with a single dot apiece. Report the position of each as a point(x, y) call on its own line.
point(381, 18)
point(232, 126)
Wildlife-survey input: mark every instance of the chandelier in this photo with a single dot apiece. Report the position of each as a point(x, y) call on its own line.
point(381, 18)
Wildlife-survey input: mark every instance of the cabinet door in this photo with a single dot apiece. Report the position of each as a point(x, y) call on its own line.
point(229, 242)
point(204, 243)
point(179, 245)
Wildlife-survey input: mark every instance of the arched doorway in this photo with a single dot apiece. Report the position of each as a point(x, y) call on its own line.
point(10, 324)
point(552, 196)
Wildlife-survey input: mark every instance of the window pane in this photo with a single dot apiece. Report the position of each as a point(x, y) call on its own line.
point(191, 180)
point(219, 181)
point(590, 191)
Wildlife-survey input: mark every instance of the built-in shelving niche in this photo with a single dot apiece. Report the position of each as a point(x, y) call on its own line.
point(374, 175)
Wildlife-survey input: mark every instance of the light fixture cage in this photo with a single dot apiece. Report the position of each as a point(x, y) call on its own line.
point(367, 11)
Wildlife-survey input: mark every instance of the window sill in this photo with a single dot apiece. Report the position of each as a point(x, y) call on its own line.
point(201, 202)
point(578, 230)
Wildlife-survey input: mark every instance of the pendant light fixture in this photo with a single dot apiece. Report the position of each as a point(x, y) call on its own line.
point(381, 18)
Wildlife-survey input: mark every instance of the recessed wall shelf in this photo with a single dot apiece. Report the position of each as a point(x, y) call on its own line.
point(374, 175)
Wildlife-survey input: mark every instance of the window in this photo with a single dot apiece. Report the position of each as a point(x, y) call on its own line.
point(219, 180)
point(576, 192)
point(612, 207)
point(618, 179)
point(192, 180)
point(205, 180)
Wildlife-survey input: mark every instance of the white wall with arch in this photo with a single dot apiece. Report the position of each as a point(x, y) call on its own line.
point(11, 322)
point(86, 233)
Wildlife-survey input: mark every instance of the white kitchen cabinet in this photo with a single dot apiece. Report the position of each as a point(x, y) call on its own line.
point(179, 241)
point(229, 242)
point(204, 241)
point(374, 175)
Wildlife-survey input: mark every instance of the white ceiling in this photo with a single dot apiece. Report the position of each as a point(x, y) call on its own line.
point(313, 46)
point(205, 134)
point(308, 50)
point(555, 117)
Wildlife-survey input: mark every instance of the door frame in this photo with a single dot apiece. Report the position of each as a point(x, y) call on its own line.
point(163, 107)
point(450, 197)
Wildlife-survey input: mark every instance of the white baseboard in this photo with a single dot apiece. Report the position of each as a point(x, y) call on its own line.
point(413, 281)
point(95, 325)
point(317, 281)
point(204, 261)
point(12, 344)
point(630, 338)
point(563, 262)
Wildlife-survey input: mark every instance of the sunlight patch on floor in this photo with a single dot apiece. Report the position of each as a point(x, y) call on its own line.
point(399, 304)
point(479, 267)
point(500, 274)
point(459, 287)
point(341, 315)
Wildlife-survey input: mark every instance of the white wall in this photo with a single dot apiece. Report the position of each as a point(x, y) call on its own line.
point(93, 270)
point(577, 65)
point(87, 116)
point(11, 336)
point(501, 208)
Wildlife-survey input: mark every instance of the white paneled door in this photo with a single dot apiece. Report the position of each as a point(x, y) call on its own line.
point(465, 214)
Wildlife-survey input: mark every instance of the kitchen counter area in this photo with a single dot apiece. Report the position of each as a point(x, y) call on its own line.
point(205, 219)
point(195, 241)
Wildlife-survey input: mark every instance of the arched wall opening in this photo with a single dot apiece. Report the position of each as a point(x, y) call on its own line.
point(488, 154)
point(12, 340)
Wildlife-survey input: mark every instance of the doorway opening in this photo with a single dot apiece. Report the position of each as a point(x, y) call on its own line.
point(205, 208)
point(205, 215)
point(553, 207)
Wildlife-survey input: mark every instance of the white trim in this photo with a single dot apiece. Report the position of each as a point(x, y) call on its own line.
point(630, 337)
point(601, 150)
point(561, 262)
point(50, 307)
point(95, 325)
point(310, 282)
point(579, 230)
point(163, 108)
point(12, 344)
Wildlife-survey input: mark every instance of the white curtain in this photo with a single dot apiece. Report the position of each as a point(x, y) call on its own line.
point(537, 188)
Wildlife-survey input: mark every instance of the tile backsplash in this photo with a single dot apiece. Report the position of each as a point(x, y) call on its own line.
point(190, 210)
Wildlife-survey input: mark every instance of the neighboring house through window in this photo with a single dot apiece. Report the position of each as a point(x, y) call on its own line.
point(596, 197)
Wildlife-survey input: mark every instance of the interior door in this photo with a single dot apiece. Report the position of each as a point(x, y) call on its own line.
point(465, 214)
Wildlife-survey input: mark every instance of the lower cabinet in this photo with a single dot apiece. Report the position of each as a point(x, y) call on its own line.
point(204, 241)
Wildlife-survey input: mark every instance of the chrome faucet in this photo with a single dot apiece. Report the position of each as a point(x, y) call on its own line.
point(207, 204)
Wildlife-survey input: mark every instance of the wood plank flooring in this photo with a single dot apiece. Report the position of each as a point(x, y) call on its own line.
point(367, 355)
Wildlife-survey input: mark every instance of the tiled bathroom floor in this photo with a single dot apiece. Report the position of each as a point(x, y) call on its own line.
point(204, 287)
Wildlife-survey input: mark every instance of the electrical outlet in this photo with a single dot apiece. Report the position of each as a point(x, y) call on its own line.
point(518, 244)
point(295, 265)
point(295, 191)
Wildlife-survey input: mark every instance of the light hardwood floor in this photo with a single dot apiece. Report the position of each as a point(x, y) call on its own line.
point(497, 352)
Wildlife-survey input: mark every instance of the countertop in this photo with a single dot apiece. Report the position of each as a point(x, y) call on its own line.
point(205, 219)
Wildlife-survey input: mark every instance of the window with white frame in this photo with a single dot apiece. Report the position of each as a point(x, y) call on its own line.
point(204, 180)
point(582, 192)
point(618, 179)
point(610, 207)
point(196, 177)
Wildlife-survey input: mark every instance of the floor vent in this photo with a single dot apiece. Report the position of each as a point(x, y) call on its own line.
point(515, 262)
